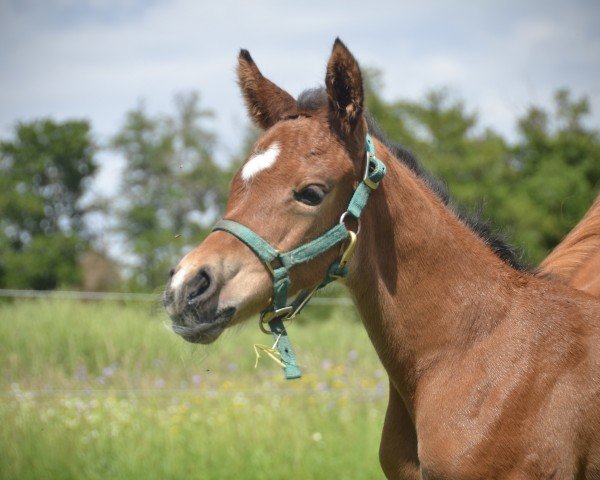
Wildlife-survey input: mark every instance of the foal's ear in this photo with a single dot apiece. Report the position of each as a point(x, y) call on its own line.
point(345, 92)
point(266, 102)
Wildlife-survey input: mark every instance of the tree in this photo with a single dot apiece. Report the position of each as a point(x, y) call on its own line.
point(446, 138)
point(537, 189)
point(557, 161)
point(172, 188)
point(44, 170)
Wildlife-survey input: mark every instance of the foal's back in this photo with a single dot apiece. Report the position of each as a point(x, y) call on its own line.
point(576, 260)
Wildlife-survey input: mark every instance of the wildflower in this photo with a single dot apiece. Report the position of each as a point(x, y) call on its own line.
point(322, 387)
point(232, 367)
point(326, 365)
point(337, 383)
point(157, 362)
point(316, 437)
point(373, 413)
point(239, 400)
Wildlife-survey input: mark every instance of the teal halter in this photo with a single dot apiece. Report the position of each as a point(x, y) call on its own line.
point(279, 263)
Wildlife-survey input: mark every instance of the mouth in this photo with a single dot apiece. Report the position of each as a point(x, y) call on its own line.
point(206, 332)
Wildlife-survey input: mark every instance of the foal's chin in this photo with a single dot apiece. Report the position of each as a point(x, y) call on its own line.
point(195, 329)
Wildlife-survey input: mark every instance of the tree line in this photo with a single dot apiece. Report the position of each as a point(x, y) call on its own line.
point(171, 191)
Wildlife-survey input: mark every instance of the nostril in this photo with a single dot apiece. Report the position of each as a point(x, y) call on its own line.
point(200, 285)
point(171, 273)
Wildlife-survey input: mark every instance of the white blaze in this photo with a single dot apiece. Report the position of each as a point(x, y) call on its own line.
point(260, 162)
point(178, 279)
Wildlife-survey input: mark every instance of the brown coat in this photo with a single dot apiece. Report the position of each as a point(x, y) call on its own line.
point(494, 372)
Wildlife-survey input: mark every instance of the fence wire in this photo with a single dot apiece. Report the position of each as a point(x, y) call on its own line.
point(122, 296)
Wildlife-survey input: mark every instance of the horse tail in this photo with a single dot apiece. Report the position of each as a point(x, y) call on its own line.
point(576, 260)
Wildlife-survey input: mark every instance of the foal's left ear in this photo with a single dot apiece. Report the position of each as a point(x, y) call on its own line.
point(345, 92)
point(266, 102)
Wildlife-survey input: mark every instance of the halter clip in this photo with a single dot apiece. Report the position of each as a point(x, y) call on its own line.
point(280, 313)
point(349, 250)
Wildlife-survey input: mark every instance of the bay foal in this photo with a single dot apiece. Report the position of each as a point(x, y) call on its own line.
point(576, 260)
point(494, 373)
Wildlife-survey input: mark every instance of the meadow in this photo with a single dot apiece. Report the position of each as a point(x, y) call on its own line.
point(96, 390)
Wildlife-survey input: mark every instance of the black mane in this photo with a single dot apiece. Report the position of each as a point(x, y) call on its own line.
point(314, 99)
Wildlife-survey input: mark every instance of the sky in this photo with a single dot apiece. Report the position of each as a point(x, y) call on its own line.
point(96, 59)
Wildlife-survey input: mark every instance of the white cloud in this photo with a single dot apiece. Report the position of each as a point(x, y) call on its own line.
point(96, 59)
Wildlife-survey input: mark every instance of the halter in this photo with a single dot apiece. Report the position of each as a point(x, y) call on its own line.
point(279, 263)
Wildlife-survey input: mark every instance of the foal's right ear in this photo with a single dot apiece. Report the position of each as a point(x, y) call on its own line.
point(266, 102)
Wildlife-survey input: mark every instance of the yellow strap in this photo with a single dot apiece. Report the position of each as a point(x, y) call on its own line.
point(270, 351)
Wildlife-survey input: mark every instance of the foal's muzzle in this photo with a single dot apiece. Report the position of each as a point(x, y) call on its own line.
point(192, 302)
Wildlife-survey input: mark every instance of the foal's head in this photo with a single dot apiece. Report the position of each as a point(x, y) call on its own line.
point(293, 187)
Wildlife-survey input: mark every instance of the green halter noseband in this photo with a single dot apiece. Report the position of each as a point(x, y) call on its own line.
point(279, 263)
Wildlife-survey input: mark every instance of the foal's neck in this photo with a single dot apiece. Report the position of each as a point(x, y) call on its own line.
point(425, 285)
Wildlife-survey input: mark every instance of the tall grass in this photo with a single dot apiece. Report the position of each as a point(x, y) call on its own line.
point(105, 390)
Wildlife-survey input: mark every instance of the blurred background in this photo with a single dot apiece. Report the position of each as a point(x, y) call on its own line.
point(120, 127)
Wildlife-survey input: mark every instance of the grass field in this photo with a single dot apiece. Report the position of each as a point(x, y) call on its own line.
point(104, 390)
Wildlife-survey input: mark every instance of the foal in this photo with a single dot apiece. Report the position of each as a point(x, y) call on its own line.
point(494, 373)
point(576, 260)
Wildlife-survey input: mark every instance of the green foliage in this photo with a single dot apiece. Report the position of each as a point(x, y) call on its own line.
point(44, 171)
point(102, 390)
point(557, 172)
point(47, 262)
point(172, 188)
point(536, 190)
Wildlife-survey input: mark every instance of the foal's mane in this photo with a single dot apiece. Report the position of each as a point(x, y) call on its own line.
point(316, 99)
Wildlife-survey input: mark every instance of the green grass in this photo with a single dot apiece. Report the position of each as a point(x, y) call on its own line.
point(105, 390)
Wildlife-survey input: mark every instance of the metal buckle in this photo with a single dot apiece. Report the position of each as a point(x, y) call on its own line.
point(367, 165)
point(270, 266)
point(371, 184)
point(266, 317)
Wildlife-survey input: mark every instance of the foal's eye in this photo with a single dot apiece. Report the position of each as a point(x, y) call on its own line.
point(311, 195)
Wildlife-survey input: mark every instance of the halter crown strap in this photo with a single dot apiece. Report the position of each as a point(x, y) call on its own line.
point(279, 263)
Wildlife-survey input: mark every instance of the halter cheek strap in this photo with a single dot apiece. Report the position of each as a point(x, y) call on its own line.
point(279, 263)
